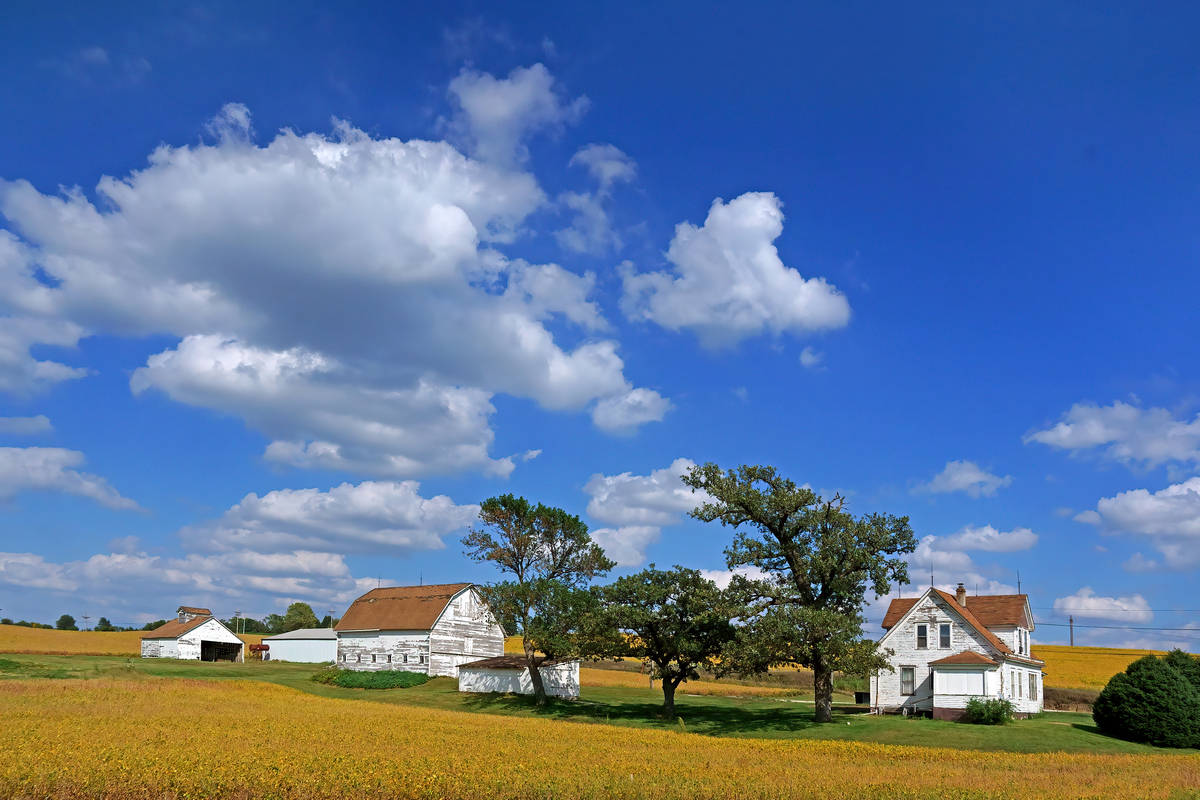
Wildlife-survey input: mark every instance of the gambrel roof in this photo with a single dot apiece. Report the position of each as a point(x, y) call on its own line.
point(400, 608)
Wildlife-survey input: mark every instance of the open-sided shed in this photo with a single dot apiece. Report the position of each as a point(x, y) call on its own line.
point(196, 635)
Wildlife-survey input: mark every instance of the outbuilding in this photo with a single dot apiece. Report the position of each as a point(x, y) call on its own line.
point(511, 674)
point(195, 635)
point(307, 646)
point(430, 629)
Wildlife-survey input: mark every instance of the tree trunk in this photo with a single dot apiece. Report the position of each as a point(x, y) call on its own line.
point(823, 692)
point(535, 675)
point(669, 686)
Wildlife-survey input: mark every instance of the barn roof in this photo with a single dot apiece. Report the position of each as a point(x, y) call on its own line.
point(304, 633)
point(193, 610)
point(174, 629)
point(965, 658)
point(399, 608)
point(514, 663)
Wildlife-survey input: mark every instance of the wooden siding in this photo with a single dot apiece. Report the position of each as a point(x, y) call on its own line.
point(369, 651)
point(559, 680)
point(188, 645)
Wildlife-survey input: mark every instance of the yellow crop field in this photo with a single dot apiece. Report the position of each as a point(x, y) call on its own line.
point(16, 639)
point(184, 738)
point(1085, 667)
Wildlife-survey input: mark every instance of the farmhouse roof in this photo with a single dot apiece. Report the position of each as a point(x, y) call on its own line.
point(515, 663)
point(901, 606)
point(194, 610)
point(399, 608)
point(988, 609)
point(304, 633)
point(174, 629)
point(965, 658)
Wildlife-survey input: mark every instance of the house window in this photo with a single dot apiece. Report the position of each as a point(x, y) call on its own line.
point(1020, 690)
point(1012, 681)
point(922, 637)
point(908, 680)
point(1033, 693)
point(944, 636)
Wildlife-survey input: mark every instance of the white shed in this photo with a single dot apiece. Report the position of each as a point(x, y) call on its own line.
point(511, 674)
point(196, 635)
point(307, 645)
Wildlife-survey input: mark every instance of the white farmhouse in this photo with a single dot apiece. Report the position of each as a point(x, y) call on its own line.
point(307, 645)
point(511, 674)
point(195, 634)
point(430, 629)
point(950, 648)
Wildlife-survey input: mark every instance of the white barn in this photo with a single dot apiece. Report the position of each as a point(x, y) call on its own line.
point(430, 629)
point(196, 635)
point(307, 645)
point(511, 674)
point(950, 648)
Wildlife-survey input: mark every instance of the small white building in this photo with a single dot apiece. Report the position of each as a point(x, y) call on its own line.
point(949, 648)
point(196, 635)
point(307, 645)
point(430, 629)
point(511, 674)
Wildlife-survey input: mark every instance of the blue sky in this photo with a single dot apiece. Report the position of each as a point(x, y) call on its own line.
point(284, 290)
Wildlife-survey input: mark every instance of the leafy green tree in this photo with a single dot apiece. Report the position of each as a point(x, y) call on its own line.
point(329, 622)
point(1151, 701)
point(153, 626)
point(817, 562)
point(1187, 664)
point(545, 550)
point(676, 619)
point(275, 623)
point(6, 621)
point(66, 623)
point(104, 625)
point(298, 616)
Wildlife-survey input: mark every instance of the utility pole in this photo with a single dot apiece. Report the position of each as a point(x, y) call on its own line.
point(331, 616)
point(1071, 619)
point(85, 621)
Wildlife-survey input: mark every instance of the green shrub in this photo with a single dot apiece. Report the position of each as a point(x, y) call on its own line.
point(352, 679)
point(1187, 664)
point(982, 711)
point(1152, 702)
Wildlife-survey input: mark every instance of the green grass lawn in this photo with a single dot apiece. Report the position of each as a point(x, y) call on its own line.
point(714, 716)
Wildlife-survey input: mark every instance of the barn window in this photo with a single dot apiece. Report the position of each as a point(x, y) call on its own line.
point(944, 636)
point(389, 658)
point(372, 658)
point(358, 659)
point(406, 658)
point(1033, 694)
point(908, 680)
point(422, 658)
point(922, 637)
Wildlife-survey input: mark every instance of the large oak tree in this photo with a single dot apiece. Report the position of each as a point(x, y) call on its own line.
point(816, 562)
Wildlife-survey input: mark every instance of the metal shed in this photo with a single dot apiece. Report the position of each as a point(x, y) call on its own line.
point(307, 645)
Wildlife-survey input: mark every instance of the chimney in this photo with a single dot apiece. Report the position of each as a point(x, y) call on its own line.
point(961, 595)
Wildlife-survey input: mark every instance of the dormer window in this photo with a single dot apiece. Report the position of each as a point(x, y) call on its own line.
point(922, 637)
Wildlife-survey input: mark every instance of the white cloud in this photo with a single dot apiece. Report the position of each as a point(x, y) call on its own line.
point(948, 556)
point(591, 230)
point(1125, 433)
point(722, 577)
point(378, 518)
point(728, 282)
point(625, 412)
point(640, 505)
point(497, 114)
point(964, 476)
point(25, 425)
point(988, 539)
point(1169, 518)
point(337, 292)
point(46, 469)
point(1086, 604)
point(810, 358)
point(606, 164)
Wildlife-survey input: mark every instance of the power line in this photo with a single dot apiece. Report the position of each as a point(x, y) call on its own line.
point(1085, 608)
point(1119, 627)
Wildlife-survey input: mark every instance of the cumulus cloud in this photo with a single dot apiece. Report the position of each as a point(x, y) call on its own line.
point(496, 115)
point(949, 556)
point(1127, 434)
point(25, 425)
point(1086, 604)
point(964, 476)
point(340, 293)
point(640, 506)
point(988, 539)
point(47, 469)
point(1169, 519)
point(728, 282)
point(810, 358)
point(591, 230)
point(380, 518)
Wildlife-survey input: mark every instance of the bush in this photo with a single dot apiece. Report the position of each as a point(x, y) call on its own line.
point(352, 679)
point(1152, 702)
point(1187, 664)
point(66, 623)
point(995, 711)
point(6, 621)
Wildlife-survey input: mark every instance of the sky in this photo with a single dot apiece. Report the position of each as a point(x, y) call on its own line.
point(287, 289)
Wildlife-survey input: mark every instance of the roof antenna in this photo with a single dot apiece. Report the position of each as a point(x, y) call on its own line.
point(931, 576)
point(421, 579)
point(1018, 581)
point(379, 581)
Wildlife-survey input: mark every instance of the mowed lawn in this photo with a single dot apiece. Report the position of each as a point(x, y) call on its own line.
point(124, 739)
point(737, 717)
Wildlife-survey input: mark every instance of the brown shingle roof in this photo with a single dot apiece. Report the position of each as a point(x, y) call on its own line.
point(899, 607)
point(193, 610)
point(967, 657)
point(515, 663)
point(174, 629)
point(989, 609)
point(399, 608)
